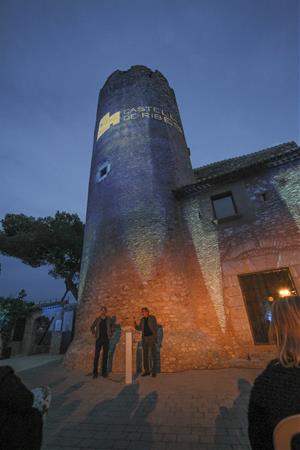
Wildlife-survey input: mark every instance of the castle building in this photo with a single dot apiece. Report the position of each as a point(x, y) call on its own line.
point(203, 248)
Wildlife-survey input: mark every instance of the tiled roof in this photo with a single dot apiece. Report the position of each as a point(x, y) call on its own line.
point(236, 167)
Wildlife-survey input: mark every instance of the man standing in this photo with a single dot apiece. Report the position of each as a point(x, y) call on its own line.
point(148, 327)
point(102, 329)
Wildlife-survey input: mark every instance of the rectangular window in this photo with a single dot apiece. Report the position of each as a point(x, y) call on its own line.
point(259, 291)
point(224, 205)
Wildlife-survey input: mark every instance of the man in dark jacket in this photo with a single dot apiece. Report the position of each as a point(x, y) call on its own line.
point(21, 425)
point(102, 329)
point(148, 327)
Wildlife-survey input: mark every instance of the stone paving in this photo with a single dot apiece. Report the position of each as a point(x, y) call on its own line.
point(21, 363)
point(203, 410)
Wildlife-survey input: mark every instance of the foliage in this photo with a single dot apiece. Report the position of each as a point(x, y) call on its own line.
point(22, 294)
point(10, 310)
point(54, 241)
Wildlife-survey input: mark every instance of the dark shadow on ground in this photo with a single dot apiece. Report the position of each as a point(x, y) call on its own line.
point(57, 382)
point(61, 407)
point(234, 420)
point(74, 388)
point(111, 421)
point(60, 401)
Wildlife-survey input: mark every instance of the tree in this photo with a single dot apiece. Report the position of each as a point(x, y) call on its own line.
point(54, 241)
point(10, 310)
point(22, 294)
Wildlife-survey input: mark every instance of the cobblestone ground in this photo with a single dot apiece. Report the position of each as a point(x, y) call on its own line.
point(201, 410)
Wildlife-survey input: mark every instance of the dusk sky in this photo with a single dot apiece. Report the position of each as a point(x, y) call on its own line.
point(234, 66)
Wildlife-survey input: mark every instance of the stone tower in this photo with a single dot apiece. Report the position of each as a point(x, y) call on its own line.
point(137, 248)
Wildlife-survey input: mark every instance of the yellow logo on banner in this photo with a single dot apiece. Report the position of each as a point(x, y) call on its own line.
point(107, 121)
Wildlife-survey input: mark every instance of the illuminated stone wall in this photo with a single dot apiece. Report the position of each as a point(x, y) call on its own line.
point(145, 247)
point(271, 241)
point(137, 250)
point(265, 237)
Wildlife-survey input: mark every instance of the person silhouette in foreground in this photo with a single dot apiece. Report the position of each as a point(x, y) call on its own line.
point(102, 329)
point(148, 327)
point(276, 391)
point(21, 412)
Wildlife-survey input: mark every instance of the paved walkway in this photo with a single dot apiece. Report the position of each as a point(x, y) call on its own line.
point(201, 410)
point(21, 363)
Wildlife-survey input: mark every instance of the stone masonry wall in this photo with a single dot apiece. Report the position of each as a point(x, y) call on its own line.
point(144, 247)
point(265, 237)
point(137, 250)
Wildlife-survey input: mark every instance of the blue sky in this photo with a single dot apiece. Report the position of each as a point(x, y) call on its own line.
point(233, 65)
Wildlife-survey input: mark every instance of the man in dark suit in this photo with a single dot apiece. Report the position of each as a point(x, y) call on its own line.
point(148, 327)
point(102, 329)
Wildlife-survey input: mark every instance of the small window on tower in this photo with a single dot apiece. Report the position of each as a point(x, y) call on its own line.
point(224, 205)
point(102, 171)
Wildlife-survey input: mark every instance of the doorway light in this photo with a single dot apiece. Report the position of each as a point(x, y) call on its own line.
point(284, 292)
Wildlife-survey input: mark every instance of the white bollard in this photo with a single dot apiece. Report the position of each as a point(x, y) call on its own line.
point(128, 357)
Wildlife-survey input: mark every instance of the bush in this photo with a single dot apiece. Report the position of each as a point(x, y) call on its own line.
point(12, 309)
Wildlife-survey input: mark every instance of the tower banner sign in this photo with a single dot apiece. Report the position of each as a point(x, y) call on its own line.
point(139, 112)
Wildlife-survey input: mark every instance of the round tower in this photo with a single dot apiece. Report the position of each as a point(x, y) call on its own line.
point(134, 252)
